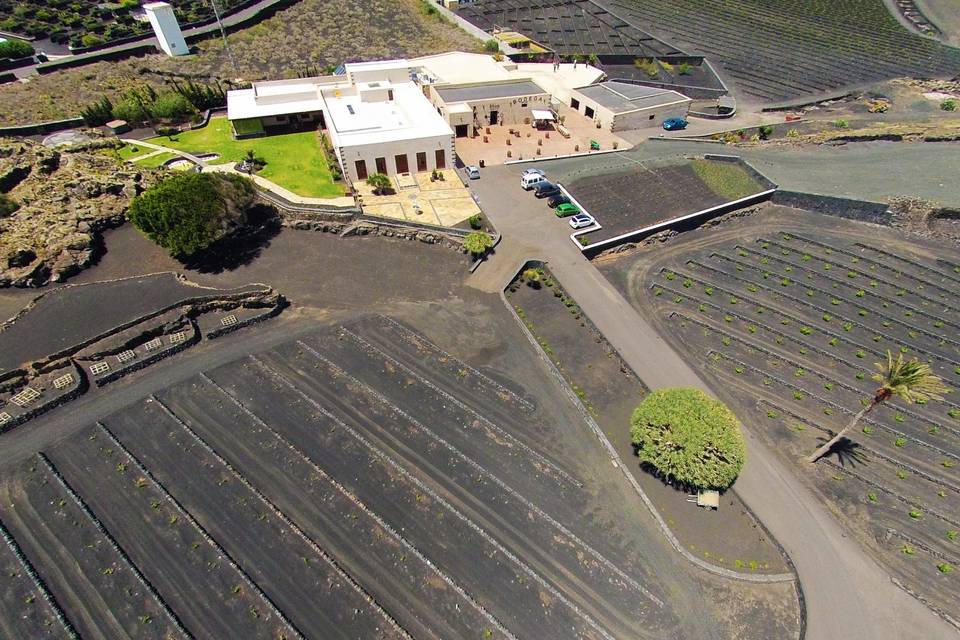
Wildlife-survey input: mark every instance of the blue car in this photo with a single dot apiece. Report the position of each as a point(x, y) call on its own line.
point(674, 124)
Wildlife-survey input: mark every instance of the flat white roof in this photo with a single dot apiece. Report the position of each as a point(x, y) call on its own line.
point(377, 65)
point(279, 97)
point(408, 116)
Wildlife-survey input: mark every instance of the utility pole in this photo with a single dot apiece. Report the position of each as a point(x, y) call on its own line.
point(223, 33)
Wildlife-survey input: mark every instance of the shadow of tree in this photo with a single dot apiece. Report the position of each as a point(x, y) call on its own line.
point(848, 452)
point(239, 249)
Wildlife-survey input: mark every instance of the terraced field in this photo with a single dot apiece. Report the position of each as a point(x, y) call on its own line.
point(358, 482)
point(772, 50)
point(776, 50)
point(568, 26)
point(788, 315)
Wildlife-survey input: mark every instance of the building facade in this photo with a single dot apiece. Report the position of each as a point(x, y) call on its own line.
point(166, 27)
point(619, 106)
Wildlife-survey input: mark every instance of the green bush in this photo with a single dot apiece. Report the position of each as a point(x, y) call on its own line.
point(765, 131)
point(491, 46)
point(7, 205)
point(689, 437)
point(15, 49)
point(478, 243)
point(171, 106)
point(475, 221)
point(950, 104)
point(187, 213)
point(132, 109)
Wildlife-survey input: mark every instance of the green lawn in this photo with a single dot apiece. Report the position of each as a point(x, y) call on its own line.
point(295, 161)
point(154, 162)
point(726, 179)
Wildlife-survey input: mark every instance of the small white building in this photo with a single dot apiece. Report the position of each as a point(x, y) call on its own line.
point(378, 120)
point(618, 106)
point(165, 25)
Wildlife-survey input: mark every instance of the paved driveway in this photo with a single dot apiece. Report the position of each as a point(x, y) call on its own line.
point(847, 594)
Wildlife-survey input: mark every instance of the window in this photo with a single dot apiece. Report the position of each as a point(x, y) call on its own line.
point(381, 165)
point(574, 104)
point(652, 116)
point(588, 111)
point(441, 159)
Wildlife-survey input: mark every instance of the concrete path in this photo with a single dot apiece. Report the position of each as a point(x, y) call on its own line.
point(847, 594)
point(159, 147)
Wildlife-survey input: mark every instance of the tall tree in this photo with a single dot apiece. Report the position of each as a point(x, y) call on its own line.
point(909, 380)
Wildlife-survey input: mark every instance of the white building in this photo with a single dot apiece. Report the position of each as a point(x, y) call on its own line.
point(378, 119)
point(619, 105)
point(165, 25)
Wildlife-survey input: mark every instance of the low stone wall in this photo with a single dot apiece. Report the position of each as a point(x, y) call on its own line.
point(861, 210)
point(116, 374)
point(260, 317)
point(41, 128)
point(78, 389)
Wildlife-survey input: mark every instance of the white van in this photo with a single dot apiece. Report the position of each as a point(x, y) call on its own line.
point(531, 180)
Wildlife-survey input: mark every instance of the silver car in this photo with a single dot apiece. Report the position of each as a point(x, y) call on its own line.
point(533, 171)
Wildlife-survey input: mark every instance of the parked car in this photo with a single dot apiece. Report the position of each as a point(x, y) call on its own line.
point(532, 171)
point(582, 220)
point(674, 124)
point(566, 209)
point(557, 200)
point(546, 189)
point(531, 180)
point(473, 172)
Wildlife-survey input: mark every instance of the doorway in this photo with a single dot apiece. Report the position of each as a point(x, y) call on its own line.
point(441, 159)
point(462, 130)
point(381, 165)
point(361, 166)
point(421, 160)
point(494, 116)
point(401, 161)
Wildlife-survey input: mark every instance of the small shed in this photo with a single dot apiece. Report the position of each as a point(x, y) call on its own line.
point(620, 105)
point(117, 127)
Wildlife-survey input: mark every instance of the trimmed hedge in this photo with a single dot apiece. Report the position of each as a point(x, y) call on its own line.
point(689, 437)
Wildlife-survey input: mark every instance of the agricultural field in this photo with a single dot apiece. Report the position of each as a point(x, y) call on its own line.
point(577, 27)
point(653, 191)
point(783, 49)
point(787, 312)
point(84, 24)
point(355, 481)
point(307, 37)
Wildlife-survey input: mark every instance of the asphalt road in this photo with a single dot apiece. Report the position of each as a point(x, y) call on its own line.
point(847, 594)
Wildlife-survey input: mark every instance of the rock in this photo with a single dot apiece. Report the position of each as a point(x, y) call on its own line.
point(20, 258)
point(65, 197)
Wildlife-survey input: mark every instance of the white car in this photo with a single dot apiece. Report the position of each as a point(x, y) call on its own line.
point(473, 172)
point(532, 171)
point(582, 220)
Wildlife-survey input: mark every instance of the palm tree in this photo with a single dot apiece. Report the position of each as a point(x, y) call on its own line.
point(909, 380)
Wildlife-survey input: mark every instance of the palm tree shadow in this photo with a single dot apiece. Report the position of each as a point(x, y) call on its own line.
point(848, 452)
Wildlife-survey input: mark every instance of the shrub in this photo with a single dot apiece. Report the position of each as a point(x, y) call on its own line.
point(15, 49)
point(841, 124)
point(171, 106)
point(491, 46)
point(98, 113)
point(132, 109)
point(187, 213)
point(7, 205)
point(950, 104)
point(478, 243)
point(475, 221)
point(689, 437)
point(944, 567)
point(684, 69)
point(380, 182)
point(765, 131)
point(648, 66)
point(532, 276)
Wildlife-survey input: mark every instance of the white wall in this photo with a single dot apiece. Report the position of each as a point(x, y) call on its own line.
point(167, 29)
point(635, 119)
point(510, 111)
point(388, 151)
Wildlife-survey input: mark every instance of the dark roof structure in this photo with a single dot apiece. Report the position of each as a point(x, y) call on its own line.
point(489, 91)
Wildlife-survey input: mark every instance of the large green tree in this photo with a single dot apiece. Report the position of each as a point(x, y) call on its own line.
point(909, 380)
point(689, 437)
point(186, 213)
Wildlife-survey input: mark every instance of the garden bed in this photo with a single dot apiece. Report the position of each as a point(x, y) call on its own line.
point(654, 192)
point(611, 392)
